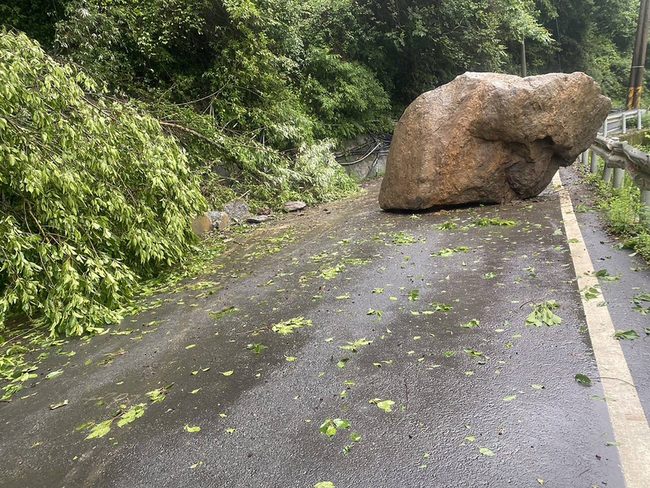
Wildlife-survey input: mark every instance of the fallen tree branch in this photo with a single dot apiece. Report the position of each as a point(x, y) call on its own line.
point(190, 131)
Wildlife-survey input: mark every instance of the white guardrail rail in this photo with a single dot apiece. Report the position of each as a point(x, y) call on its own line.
point(618, 122)
point(619, 157)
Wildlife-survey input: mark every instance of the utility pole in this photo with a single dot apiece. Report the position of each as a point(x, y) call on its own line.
point(635, 88)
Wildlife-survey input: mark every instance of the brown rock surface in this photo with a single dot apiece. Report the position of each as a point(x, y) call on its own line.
point(201, 225)
point(294, 206)
point(490, 138)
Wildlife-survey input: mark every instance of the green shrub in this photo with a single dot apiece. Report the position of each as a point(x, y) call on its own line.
point(232, 164)
point(346, 97)
point(624, 213)
point(93, 195)
point(645, 121)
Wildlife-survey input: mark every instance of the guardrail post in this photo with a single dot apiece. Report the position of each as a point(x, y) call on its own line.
point(585, 157)
point(594, 163)
point(619, 173)
point(607, 174)
point(645, 197)
point(639, 125)
point(605, 128)
point(624, 122)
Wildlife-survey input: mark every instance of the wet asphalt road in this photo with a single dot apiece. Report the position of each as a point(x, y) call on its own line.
point(260, 424)
point(634, 278)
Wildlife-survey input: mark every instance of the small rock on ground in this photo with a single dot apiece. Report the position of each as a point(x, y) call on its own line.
point(237, 210)
point(219, 220)
point(258, 219)
point(201, 225)
point(294, 206)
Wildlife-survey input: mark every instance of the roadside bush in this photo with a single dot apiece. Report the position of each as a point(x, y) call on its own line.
point(624, 214)
point(627, 217)
point(232, 164)
point(93, 195)
point(346, 97)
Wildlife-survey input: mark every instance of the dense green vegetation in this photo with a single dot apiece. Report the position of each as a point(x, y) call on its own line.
point(275, 58)
point(266, 86)
point(594, 36)
point(93, 194)
point(144, 103)
point(624, 214)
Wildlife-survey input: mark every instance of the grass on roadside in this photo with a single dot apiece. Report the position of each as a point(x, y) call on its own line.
point(625, 215)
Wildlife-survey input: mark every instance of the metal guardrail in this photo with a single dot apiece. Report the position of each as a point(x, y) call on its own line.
point(619, 157)
point(617, 123)
point(375, 147)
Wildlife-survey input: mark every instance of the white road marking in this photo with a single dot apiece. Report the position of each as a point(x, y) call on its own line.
point(626, 413)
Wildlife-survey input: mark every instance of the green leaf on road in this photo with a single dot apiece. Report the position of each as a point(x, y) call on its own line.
point(159, 394)
point(543, 314)
point(628, 335)
point(354, 346)
point(583, 379)
point(386, 405)
point(472, 353)
point(256, 347)
point(484, 222)
point(101, 429)
point(54, 374)
point(638, 300)
point(196, 428)
point(472, 323)
point(604, 274)
point(445, 253)
point(329, 427)
point(135, 412)
point(285, 328)
point(485, 451)
point(341, 424)
point(591, 292)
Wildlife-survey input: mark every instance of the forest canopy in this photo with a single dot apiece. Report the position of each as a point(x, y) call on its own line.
point(264, 80)
point(194, 102)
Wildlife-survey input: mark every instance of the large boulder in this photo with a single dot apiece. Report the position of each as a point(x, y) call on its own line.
point(490, 138)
